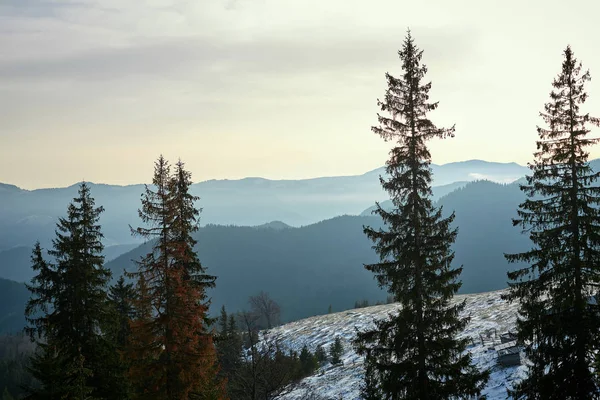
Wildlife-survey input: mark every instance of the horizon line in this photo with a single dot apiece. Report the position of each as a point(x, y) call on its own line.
point(254, 177)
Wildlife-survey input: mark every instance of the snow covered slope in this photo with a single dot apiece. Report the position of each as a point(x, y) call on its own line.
point(487, 310)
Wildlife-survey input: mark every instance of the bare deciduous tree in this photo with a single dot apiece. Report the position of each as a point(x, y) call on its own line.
point(268, 310)
point(266, 371)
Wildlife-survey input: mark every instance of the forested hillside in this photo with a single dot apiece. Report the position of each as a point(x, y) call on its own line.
point(309, 268)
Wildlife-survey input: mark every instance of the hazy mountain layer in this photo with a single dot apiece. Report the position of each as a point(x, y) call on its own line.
point(13, 297)
point(27, 216)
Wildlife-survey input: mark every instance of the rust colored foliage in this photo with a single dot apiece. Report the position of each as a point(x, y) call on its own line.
point(172, 350)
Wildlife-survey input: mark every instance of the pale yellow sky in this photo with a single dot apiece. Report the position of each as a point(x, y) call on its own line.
point(97, 89)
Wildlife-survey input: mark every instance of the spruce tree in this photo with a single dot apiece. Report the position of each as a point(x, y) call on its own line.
point(414, 354)
point(308, 362)
point(559, 327)
point(233, 329)
point(148, 372)
point(70, 297)
point(336, 351)
point(175, 355)
point(223, 323)
point(80, 307)
point(320, 354)
point(229, 345)
point(192, 304)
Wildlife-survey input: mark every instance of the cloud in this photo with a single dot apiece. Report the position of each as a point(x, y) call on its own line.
point(293, 75)
point(195, 56)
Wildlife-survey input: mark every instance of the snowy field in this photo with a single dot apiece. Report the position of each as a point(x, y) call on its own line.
point(488, 313)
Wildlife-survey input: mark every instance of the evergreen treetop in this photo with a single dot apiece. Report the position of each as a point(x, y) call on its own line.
point(69, 309)
point(172, 347)
point(415, 354)
point(558, 325)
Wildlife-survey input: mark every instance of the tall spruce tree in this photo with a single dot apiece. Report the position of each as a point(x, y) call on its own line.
point(150, 334)
point(69, 307)
point(173, 348)
point(414, 354)
point(197, 350)
point(558, 325)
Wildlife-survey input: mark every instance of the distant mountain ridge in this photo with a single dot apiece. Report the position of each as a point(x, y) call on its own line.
point(30, 215)
point(465, 167)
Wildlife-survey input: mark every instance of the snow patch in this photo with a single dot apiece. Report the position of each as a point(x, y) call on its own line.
point(488, 312)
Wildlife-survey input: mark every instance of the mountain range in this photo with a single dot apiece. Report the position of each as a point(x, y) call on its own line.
point(308, 268)
point(30, 215)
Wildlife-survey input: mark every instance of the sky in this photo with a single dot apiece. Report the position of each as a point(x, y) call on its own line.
point(96, 90)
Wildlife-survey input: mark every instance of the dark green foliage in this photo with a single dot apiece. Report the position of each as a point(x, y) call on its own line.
point(414, 354)
point(369, 388)
point(223, 323)
point(69, 309)
point(42, 290)
point(321, 354)
point(336, 351)
point(78, 376)
point(308, 362)
point(121, 297)
point(232, 327)
point(229, 345)
point(558, 325)
point(47, 369)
